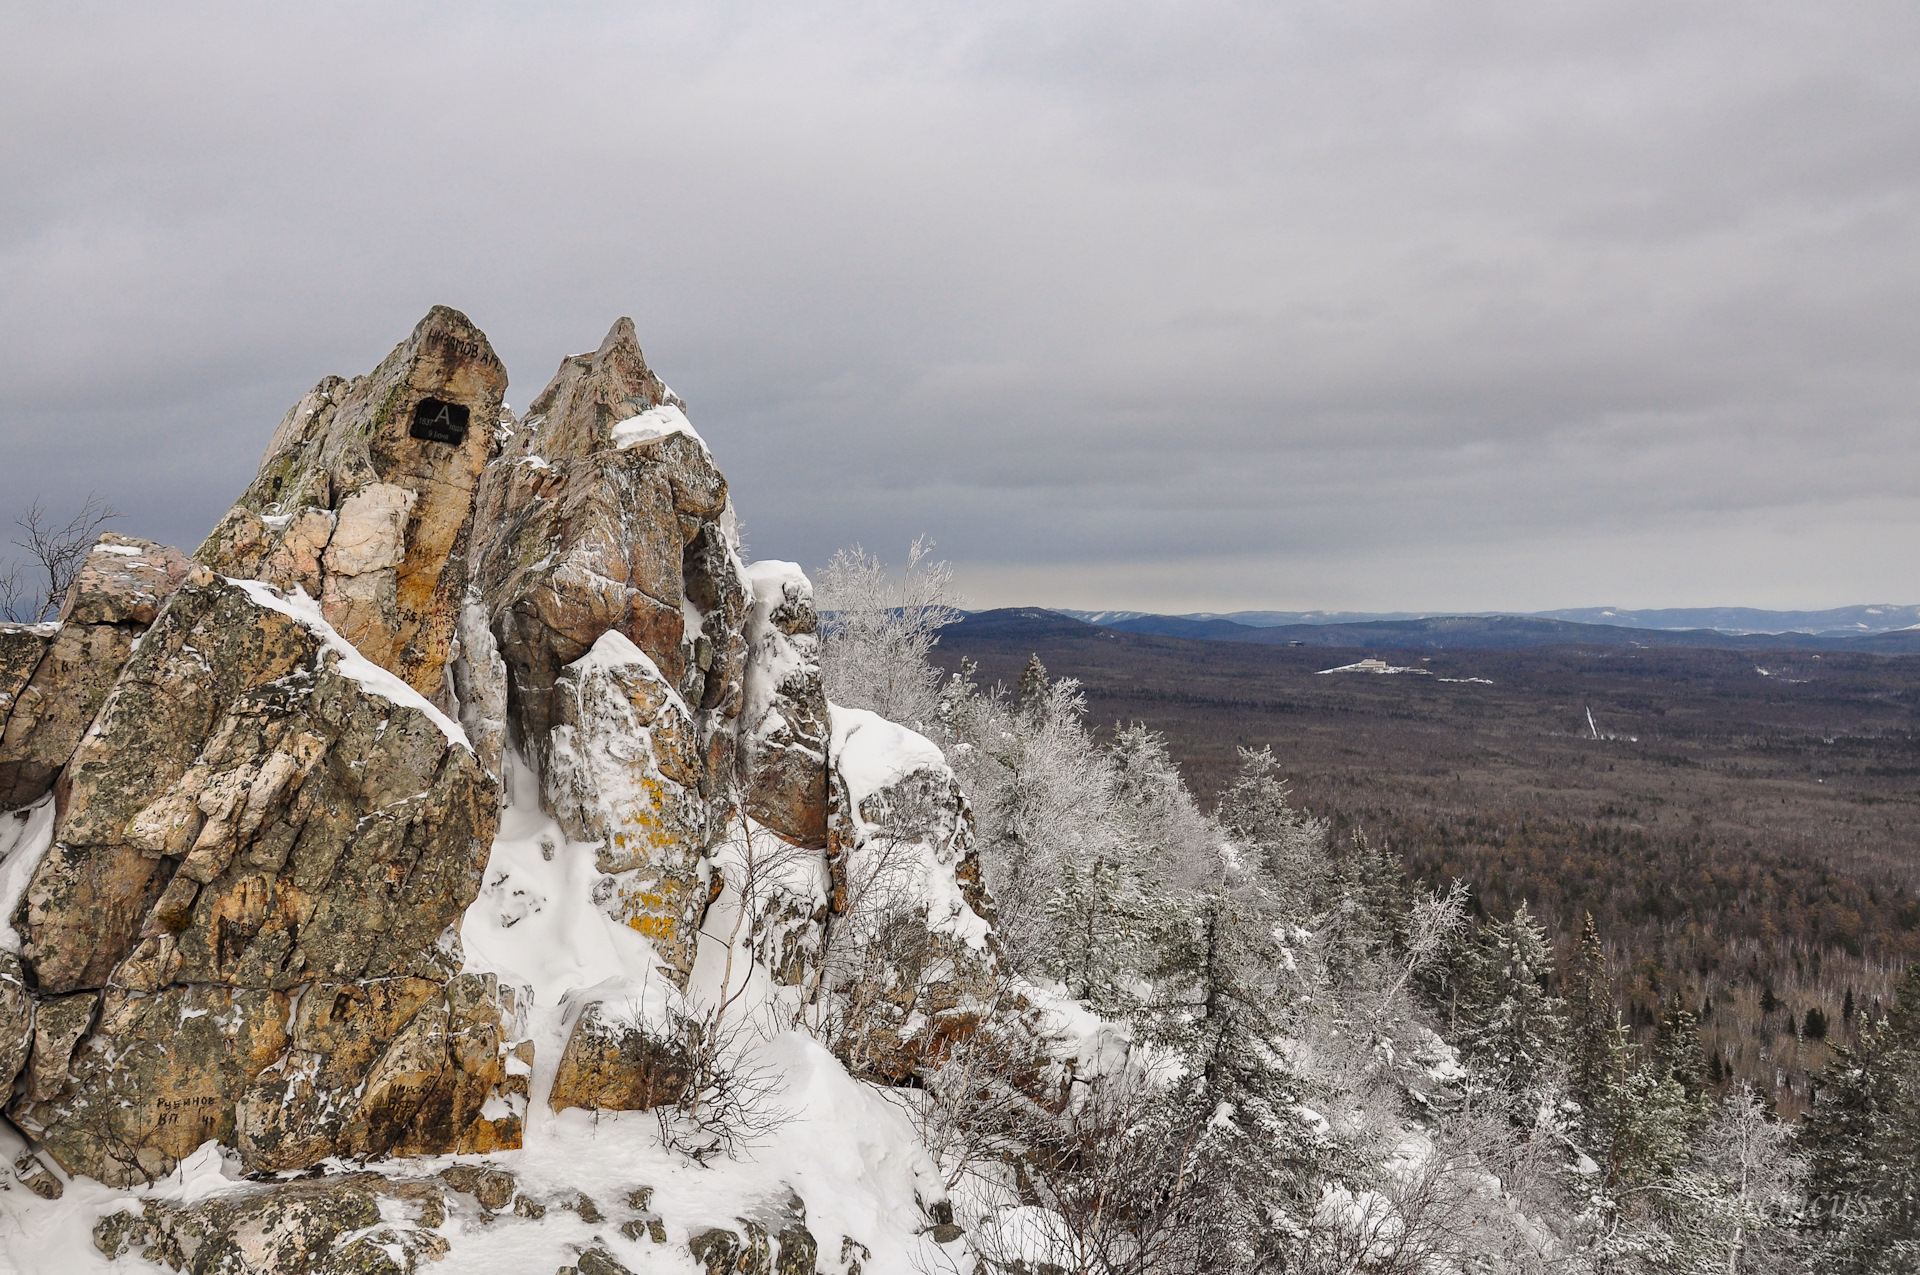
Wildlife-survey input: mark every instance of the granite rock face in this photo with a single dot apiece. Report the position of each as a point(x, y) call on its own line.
point(52, 685)
point(625, 773)
point(16, 1020)
point(259, 817)
point(250, 813)
point(605, 513)
point(365, 497)
point(21, 648)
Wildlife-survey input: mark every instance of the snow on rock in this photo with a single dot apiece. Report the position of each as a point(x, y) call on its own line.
point(905, 821)
point(25, 837)
point(624, 773)
point(906, 891)
point(848, 1150)
point(784, 723)
point(1086, 1046)
point(655, 422)
point(535, 922)
point(351, 664)
point(871, 754)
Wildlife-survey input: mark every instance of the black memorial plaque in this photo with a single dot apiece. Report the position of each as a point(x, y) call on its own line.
point(440, 422)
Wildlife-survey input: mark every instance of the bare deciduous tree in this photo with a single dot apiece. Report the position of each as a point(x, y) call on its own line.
point(57, 549)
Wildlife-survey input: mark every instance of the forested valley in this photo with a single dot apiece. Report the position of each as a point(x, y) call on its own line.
point(1682, 1034)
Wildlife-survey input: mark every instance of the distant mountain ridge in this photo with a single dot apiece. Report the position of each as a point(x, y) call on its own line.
point(1853, 620)
point(1485, 632)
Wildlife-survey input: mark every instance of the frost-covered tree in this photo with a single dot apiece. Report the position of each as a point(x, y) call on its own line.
point(1515, 1033)
point(1097, 915)
point(1249, 1153)
point(1049, 802)
point(1257, 811)
point(877, 630)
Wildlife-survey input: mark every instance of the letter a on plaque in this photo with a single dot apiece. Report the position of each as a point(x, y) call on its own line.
point(439, 422)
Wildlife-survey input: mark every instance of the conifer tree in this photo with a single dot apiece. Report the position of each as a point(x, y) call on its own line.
point(1596, 1039)
point(1366, 909)
point(1862, 1143)
point(1290, 845)
point(1032, 700)
point(1097, 915)
point(1246, 1157)
point(1677, 1051)
point(1517, 1035)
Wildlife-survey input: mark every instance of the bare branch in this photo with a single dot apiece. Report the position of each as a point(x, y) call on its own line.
point(59, 548)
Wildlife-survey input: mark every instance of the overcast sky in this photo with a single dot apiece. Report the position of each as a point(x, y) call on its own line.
point(1189, 307)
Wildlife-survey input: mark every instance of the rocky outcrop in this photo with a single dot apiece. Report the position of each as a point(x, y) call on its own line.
point(260, 819)
point(786, 727)
point(365, 497)
point(615, 1065)
point(624, 773)
point(490, 1187)
point(479, 681)
point(605, 513)
point(51, 686)
point(324, 1227)
point(272, 810)
point(914, 957)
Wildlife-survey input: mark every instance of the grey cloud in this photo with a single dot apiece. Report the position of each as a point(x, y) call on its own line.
point(1299, 303)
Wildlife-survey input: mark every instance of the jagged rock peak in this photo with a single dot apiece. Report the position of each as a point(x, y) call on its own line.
point(365, 497)
point(594, 391)
point(605, 513)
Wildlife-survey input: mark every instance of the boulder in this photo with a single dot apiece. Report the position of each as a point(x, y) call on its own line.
point(605, 512)
point(34, 1175)
point(616, 1065)
point(775, 1242)
point(124, 581)
point(491, 1187)
point(624, 773)
point(913, 959)
point(266, 844)
point(596, 1261)
point(365, 497)
point(115, 595)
